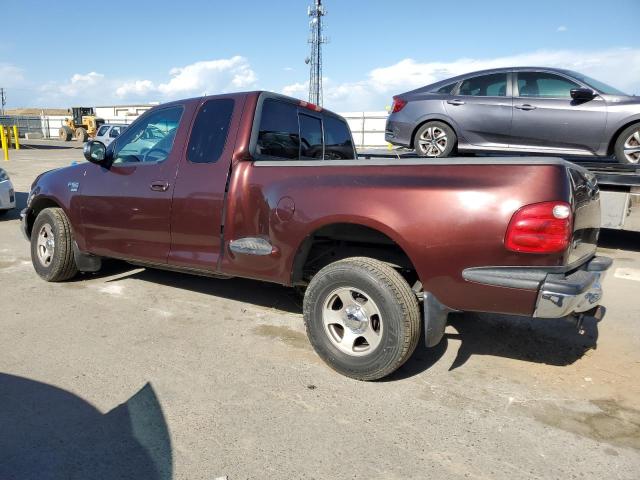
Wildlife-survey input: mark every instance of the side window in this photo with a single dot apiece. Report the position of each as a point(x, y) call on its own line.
point(310, 137)
point(209, 133)
point(446, 90)
point(337, 140)
point(278, 135)
point(150, 138)
point(541, 84)
point(115, 131)
point(102, 131)
point(494, 85)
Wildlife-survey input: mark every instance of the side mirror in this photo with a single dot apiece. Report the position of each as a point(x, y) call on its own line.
point(95, 151)
point(582, 93)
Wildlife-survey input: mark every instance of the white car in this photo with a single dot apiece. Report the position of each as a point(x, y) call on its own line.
point(108, 132)
point(7, 194)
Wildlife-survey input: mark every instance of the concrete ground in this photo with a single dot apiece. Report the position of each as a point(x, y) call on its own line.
point(134, 373)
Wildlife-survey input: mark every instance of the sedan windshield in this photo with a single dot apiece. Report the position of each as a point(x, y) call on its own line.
point(598, 85)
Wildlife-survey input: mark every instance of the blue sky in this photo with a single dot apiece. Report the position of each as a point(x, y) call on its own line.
point(156, 51)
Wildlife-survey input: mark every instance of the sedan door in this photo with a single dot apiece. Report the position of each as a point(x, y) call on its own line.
point(545, 117)
point(481, 110)
point(126, 207)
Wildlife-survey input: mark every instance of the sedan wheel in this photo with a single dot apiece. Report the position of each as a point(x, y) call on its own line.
point(434, 139)
point(632, 147)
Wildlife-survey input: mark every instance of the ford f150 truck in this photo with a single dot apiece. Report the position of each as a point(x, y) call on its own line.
point(263, 186)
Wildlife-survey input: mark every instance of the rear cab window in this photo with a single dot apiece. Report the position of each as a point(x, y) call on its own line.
point(103, 131)
point(290, 132)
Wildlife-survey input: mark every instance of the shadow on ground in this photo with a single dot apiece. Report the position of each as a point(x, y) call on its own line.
point(21, 202)
point(619, 240)
point(50, 433)
point(51, 146)
point(545, 341)
point(263, 294)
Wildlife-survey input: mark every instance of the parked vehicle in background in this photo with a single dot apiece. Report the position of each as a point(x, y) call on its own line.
point(109, 132)
point(525, 109)
point(267, 187)
point(7, 193)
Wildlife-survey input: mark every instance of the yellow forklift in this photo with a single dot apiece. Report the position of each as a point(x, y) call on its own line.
point(82, 124)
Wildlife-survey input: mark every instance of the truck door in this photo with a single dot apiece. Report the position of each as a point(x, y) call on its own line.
point(199, 195)
point(125, 208)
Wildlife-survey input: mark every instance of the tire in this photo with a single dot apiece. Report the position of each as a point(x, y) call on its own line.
point(370, 288)
point(442, 146)
point(54, 262)
point(4, 212)
point(81, 135)
point(65, 133)
point(627, 147)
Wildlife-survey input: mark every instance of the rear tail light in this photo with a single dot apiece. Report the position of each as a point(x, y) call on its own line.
point(540, 228)
point(398, 104)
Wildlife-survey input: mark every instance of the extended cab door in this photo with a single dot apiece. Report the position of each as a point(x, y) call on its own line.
point(546, 117)
point(126, 207)
point(199, 195)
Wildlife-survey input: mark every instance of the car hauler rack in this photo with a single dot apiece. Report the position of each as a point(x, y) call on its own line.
point(619, 194)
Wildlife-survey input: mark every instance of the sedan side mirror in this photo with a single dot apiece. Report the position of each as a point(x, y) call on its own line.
point(95, 151)
point(582, 93)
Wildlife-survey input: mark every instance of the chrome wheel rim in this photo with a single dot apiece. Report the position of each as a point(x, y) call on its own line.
point(352, 321)
point(433, 142)
point(632, 147)
point(46, 245)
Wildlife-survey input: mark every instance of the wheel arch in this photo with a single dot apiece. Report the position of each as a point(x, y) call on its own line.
point(37, 205)
point(333, 240)
point(446, 121)
point(614, 138)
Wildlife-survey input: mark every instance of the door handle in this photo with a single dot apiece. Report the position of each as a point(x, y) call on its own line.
point(455, 102)
point(159, 186)
point(526, 106)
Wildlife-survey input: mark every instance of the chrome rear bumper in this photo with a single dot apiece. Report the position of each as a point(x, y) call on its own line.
point(561, 295)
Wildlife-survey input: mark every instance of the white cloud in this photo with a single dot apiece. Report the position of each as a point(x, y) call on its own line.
point(10, 75)
point(617, 66)
point(199, 78)
point(211, 76)
point(562, 28)
point(136, 88)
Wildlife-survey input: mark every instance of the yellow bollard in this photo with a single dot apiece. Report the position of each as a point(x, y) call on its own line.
point(3, 140)
point(16, 137)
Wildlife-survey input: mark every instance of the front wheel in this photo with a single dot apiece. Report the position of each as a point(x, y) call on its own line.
point(627, 148)
point(52, 246)
point(434, 140)
point(362, 318)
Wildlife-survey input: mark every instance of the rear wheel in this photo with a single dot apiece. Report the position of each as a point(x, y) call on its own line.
point(81, 135)
point(65, 133)
point(434, 139)
point(52, 246)
point(362, 318)
point(627, 148)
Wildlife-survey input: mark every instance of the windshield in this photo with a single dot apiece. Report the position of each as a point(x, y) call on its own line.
point(598, 85)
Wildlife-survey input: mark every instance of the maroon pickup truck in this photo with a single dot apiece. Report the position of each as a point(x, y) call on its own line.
point(262, 186)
